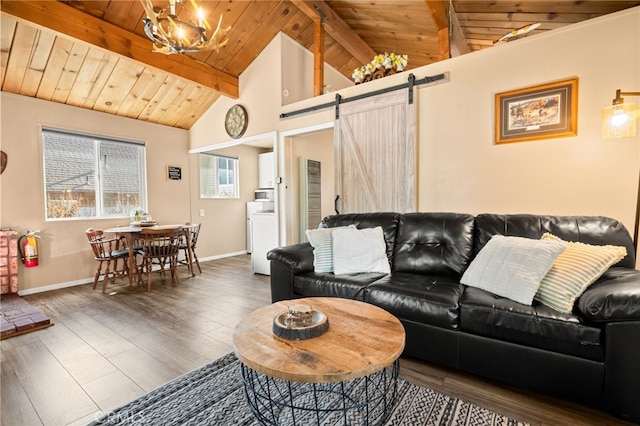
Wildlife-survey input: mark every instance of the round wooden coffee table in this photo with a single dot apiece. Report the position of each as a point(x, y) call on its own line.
point(349, 373)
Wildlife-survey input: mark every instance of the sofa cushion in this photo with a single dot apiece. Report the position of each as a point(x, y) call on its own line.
point(595, 230)
point(433, 243)
point(539, 326)
point(575, 269)
point(427, 299)
point(359, 250)
point(387, 221)
point(512, 267)
point(330, 285)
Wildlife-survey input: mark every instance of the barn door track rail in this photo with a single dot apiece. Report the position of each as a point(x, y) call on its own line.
point(410, 84)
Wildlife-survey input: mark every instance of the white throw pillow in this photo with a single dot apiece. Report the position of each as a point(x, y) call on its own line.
point(512, 267)
point(574, 271)
point(322, 242)
point(360, 250)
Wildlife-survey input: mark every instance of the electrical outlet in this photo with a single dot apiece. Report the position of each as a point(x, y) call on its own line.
point(201, 212)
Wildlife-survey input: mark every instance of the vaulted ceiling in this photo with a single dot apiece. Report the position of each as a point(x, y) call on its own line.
point(94, 53)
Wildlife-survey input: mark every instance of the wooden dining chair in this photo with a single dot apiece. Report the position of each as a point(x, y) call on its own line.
point(159, 246)
point(193, 231)
point(107, 252)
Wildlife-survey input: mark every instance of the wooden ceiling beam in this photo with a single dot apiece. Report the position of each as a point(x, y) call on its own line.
point(438, 11)
point(73, 23)
point(337, 29)
point(459, 45)
point(451, 39)
point(318, 57)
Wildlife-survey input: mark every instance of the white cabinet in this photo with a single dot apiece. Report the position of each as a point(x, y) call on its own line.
point(266, 170)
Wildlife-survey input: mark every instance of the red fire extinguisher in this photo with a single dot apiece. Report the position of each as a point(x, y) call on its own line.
point(28, 246)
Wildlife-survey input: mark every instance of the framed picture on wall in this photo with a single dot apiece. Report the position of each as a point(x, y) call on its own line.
point(174, 173)
point(539, 112)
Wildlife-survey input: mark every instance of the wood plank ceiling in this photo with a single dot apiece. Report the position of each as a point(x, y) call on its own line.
point(94, 54)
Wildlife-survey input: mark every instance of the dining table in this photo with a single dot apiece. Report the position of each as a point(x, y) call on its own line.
point(132, 232)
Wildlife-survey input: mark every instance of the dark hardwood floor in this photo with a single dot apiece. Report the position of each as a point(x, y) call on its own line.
point(107, 349)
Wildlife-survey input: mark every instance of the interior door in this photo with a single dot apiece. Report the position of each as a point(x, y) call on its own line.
point(375, 154)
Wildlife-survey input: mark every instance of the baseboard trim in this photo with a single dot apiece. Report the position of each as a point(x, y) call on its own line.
point(84, 281)
point(52, 287)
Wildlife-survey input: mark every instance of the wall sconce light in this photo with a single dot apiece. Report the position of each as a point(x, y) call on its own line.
point(619, 120)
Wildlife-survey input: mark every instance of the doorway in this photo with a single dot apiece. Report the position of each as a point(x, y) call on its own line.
point(224, 220)
point(315, 144)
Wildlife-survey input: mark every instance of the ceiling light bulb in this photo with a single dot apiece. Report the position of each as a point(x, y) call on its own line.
point(200, 17)
point(619, 118)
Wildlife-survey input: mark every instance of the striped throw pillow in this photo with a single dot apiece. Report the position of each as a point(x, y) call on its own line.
point(322, 242)
point(573, 271)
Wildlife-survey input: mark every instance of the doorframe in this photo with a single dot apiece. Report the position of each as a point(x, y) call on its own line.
point(283, 167)
point(273, 136)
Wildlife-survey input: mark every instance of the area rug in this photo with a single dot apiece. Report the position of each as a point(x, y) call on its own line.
point(214, 395)
point(17, 316)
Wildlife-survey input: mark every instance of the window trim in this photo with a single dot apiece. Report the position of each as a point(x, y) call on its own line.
point(96, 138)
point(236, 175)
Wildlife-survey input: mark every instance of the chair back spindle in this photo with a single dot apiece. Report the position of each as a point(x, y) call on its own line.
point(159, 246)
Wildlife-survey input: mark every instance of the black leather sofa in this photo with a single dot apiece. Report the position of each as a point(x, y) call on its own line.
point(591, 356)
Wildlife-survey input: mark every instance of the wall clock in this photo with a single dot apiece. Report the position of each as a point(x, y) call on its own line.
point(236, 121)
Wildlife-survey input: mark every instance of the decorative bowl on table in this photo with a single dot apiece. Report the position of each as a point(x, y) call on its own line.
point(302, 324)
point(144, 223)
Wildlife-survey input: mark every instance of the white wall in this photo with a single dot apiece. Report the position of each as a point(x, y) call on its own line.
point(224, 222)
point(259, 93)
point(298, 74)
point(65, 255)
point(283, 64)
point(461, 169)
point(316, 146)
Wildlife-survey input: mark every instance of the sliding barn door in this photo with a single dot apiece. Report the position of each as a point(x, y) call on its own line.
point(375, 155)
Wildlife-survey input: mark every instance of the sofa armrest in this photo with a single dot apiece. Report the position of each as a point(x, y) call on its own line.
point(298, 257)
point(622, 374)
point(614, 297)
point(287, 262)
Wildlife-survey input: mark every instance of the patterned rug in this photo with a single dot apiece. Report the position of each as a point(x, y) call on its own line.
point(214, 395)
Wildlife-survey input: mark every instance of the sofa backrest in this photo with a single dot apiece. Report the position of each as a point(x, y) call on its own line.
point(596, 230)
point(433, 243)
point(387, 221)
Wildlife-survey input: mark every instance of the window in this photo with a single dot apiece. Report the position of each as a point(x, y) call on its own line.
point(92, 177)
point(218, 176)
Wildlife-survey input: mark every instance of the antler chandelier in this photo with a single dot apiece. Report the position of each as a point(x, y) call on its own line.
point(170, 35)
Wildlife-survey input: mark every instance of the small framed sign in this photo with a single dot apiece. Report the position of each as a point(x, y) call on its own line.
point(174, 173)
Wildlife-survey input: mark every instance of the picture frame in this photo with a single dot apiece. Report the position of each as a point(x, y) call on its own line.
point(174, 173)
point(538, 112)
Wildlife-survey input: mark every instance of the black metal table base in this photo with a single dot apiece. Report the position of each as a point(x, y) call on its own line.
point(364, 401)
